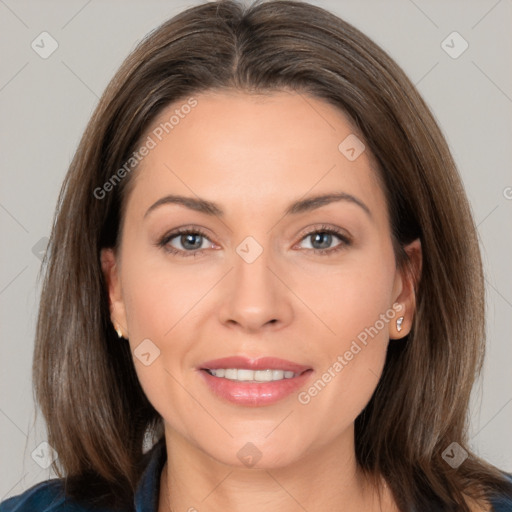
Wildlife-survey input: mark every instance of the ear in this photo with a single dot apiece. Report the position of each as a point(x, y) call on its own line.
point(110, 268)
point(405, 290)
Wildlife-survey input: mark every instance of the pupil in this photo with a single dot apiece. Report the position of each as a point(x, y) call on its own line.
point(185, 239)
point(326, 236)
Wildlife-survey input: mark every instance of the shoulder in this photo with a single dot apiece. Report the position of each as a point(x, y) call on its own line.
point(496, 501)
point(50, 495)
point(46, 496)
point(502, 502)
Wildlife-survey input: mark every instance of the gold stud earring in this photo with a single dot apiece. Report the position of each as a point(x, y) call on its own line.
point(399, 323)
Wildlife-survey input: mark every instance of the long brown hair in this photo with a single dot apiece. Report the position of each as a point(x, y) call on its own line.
point(96, 412)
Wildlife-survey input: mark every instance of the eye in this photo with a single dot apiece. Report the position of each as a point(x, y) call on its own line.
point(323, 237)
point(191, 240)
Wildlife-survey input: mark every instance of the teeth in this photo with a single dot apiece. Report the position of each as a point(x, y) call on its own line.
point(252, 375)
point(230, 374)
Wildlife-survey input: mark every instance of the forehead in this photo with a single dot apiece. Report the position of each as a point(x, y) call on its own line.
point(252, 151)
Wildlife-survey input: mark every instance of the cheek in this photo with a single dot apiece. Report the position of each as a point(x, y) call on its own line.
point(366, 309)
point(163, 301)
point(351, 296)
point(159, 295)
point(356, 304)
point(365, 297)
point(159, 300)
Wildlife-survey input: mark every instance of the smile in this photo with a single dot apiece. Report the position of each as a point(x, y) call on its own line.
point(240, 374)
point(253, 382)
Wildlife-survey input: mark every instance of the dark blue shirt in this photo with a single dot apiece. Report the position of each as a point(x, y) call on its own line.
point(49, 496)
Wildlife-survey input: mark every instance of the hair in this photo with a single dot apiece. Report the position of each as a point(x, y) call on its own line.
point(85, 383)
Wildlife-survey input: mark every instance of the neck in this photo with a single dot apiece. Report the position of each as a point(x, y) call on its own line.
point(325, 479)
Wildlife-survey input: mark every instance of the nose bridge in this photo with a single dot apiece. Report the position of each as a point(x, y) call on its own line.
point(255, 296)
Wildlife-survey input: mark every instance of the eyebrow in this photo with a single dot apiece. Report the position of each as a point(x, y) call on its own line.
point(300, 206)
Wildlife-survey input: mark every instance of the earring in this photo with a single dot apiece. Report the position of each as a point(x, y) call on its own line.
point(399, 323)
point(119, 332)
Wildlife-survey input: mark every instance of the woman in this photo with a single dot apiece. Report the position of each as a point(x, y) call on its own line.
point(318, 350)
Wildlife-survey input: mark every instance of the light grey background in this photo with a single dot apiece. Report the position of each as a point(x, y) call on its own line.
point(46, 103)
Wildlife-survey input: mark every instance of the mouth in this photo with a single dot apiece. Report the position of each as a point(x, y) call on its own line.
point(253, 382)
point(243, 375)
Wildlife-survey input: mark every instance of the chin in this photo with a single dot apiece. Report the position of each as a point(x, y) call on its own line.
point(255, 454)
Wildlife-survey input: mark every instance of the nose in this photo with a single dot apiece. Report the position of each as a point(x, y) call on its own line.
point(255, 297)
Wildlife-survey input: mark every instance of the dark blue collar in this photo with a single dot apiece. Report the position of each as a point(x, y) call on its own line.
point(148, 489)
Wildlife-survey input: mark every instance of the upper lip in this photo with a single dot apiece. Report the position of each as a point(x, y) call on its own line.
point(262, 363)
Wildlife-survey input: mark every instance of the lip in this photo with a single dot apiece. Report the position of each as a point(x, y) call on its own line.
point(254, 394)
point(263, 363)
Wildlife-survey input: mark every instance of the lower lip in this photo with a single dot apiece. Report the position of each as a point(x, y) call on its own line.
point(254, 394)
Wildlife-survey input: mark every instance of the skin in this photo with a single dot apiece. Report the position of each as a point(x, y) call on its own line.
point(254, 155)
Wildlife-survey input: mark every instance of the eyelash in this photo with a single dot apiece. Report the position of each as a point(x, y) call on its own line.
point(163, 242)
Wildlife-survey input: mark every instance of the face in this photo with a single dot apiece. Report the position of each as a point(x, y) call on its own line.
point(304, 292)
